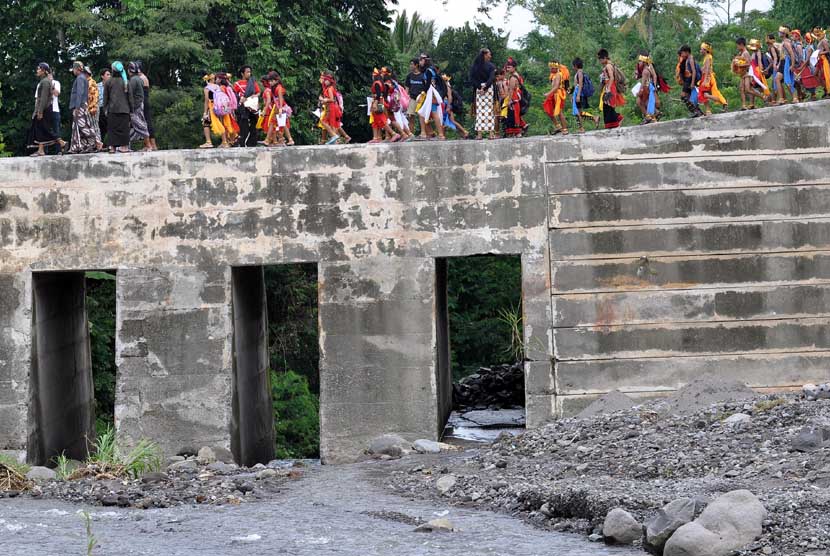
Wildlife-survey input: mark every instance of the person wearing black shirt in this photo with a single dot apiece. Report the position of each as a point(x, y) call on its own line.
point(415, 84)
point(482, 76)
point(432, 79)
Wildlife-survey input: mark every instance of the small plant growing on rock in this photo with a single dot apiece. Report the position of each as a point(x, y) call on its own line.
point(91, 541)
point(62, 467)
point(106, 457)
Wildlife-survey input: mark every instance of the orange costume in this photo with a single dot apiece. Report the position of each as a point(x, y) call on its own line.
point(554, 102)
point(333, 113)
point(709, 86)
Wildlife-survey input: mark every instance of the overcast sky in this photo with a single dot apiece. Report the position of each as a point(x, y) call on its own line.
point(518, 22)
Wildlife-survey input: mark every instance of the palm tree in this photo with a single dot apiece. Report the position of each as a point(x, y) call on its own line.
point(412, 35)
point(677, 15)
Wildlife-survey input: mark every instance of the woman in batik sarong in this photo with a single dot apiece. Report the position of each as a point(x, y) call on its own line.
point(483, 77)
point(117, 109)
point(83, 133)
point(138, 124)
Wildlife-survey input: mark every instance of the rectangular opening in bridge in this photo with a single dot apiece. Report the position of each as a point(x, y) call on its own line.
point(276, 363)
point(480, 346)
point(72, 379)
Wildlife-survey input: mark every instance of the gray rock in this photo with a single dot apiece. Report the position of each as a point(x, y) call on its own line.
point(440, 525)
point(38, 473)
point(738, 420)
point(154, 477)
point(186, 465)
point(220, 467)
point(206, 455)
point(266, 474)
point(620, 527)
point(223, 454)
point(668, 520)
point(731, 521)
point(390, 445)
point(445, 483)
point(427, 446)
point(813, 436)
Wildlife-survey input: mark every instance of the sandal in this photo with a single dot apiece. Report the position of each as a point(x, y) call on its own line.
point(203, 146)
point(290, 144)
point(35, 155)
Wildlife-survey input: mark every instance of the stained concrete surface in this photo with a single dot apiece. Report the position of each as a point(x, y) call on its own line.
point(323, 513)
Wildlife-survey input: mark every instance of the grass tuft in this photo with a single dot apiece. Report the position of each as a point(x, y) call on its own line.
point(107, 458)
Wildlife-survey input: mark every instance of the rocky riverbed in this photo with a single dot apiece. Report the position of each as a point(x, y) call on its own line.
point(568, 475)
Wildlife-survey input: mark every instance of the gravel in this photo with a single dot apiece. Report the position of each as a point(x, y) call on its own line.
point(567, 475)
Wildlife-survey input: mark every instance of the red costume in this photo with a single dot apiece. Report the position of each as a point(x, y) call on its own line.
point(334, 114)
point(379, 120)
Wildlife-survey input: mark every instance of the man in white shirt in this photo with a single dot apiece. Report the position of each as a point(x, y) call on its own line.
point(56, 110)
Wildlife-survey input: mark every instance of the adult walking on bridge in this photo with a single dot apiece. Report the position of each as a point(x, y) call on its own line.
point(247, 112)
point(117, 109)
point(483, 77)
point(138, 122)
point(83, 138)
point(41, 133)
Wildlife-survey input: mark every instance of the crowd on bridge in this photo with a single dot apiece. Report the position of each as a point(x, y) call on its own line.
point(115, 112)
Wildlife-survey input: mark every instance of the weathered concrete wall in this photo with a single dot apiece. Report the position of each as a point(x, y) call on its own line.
point(648, 255)
point(701, 254)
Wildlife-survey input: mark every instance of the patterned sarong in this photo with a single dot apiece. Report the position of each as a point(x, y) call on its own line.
point(84, 139)
point(485, 117)
point(138, 125)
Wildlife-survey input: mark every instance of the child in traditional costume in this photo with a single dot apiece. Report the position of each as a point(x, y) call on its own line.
point(757, 70)
point(822, 59)
point(378, 117)
point(395, 98)
point(452, 102)
point(785, 78)
point(332, 110)
point(555, 98)
point(707, 90)
point(281, 117)
point(611, 97)
point(583, 91)
point(515, 125)
point(266, 118)
point(687, 74)
point(742, 67)
point(648, 87)
point(805, 72)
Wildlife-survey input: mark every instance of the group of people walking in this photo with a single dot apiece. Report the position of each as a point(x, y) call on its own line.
point(113, 113)
point(106, 115)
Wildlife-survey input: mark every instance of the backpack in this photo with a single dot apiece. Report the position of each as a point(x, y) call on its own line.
point(440, 86)
point(403, 96)
point(524, 103)
point(587, 86)
point(619, 77)
point(221, 101)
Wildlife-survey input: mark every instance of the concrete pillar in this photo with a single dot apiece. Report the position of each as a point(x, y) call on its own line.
point(62, 397)
point(443, 364)
point(378, 353)
point(540, 375)
point(15, 360)
point(173, 351)
point(252, 434)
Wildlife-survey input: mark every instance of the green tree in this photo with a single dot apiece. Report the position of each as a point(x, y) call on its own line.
point(296, 416)
point(410, 36)
point(100, 306)
point(803, 14)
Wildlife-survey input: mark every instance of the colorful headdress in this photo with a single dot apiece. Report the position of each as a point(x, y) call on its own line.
point(754, 44)
point(646, 59)
point(809, 37)
point(784, 30)
point(511, 62)
point(384, 71)
point(796, 35)
point(818, 33)
point(118, 68)
point(376, 72)
point(553, 66)
point(706, 47)
point(328, 75)
point(208, 77)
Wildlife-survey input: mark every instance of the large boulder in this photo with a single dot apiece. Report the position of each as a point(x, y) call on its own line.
point(669, 519)
point(390, 445)
point(620, 527)
point(730, 522)
point(815, 435)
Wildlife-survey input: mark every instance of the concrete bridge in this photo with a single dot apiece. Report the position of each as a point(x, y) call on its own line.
point(649, 256)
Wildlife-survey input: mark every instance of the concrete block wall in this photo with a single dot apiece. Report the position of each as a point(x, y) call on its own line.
point(649, 255)
point(702, 252)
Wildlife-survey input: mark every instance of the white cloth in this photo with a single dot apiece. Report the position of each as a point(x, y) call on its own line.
point(426, 109)
point(637, 88)
point(369, 101)
point(402, 120)
point(814, 59)
point(56, 91)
